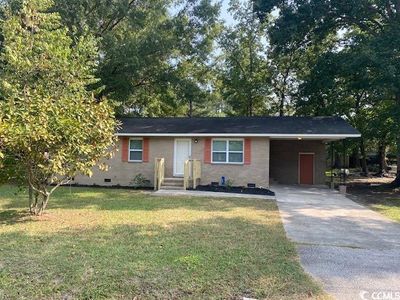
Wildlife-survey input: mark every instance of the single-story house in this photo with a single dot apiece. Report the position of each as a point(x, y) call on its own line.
point(244, 150)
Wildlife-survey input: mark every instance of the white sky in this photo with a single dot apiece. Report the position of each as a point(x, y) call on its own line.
point(226, 16)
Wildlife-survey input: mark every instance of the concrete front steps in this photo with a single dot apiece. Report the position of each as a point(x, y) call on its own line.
point(173, 183)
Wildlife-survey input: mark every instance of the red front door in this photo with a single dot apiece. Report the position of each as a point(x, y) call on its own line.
point(306, 171)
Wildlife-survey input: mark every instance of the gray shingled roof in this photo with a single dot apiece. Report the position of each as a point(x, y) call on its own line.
point(238, 125)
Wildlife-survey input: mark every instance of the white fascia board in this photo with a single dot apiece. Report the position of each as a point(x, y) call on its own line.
point(274, 135)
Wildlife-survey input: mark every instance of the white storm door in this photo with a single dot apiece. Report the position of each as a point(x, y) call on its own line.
point(182, 152)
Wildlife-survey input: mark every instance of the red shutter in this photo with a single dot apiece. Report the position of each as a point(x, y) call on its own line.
point(124, 148)
point(145, 149)
point(247, 151)
point(207, 151)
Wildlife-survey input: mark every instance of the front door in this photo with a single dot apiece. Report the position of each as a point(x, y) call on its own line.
point(181, 154)
point(306, 168)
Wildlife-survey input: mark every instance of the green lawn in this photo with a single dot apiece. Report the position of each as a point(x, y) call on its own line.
point(103, 243)
point(381, 198)
point(389, 207)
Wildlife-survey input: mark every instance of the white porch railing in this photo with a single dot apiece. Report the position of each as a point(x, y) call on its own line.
point(159, 172)
point(191, 173)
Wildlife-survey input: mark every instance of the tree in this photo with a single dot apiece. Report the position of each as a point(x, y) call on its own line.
point(336, 83)
point(244, 71)
point(51, 125)
point(382, 130)
point(370, 28)
point(156, 54)
point(283, 80)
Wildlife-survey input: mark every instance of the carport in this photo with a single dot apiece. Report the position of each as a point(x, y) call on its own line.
point(298, 161)
point(299, 154)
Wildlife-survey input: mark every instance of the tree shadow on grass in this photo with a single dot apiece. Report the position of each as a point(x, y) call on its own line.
point(115, 199)
point(12, 216)
point(378, 194)
point(213, 258)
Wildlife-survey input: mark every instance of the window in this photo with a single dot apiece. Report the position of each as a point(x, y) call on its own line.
point(227, 151)
point(135, 150)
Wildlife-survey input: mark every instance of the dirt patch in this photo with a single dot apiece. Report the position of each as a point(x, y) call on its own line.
point(371, 180)
point(372, 190)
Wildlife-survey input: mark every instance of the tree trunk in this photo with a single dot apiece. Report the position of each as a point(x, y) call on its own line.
point(250, 113)
point(382, 160)
point(33, 199)
point(364, 166)
point(30, 199)
point(385, 162)
point(44, 203)
point(41, 204)
point(282, 105)
point(396, 181)
point(355, 158)
point(38, 200)
point(338, 162)
point(190, 108)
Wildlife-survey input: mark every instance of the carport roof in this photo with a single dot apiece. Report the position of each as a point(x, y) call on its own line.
point(274, 127)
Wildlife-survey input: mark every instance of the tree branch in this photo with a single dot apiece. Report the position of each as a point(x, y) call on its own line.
point(115, 20)
point(65, 180)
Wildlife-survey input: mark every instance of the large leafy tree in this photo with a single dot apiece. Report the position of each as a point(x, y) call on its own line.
point(52, 127)
point(244, 72)
point(368, 28)
point(156, 55)
point(284, 81)
point(336, 83)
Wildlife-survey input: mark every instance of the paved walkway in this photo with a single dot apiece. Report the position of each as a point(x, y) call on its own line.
point(209, 194)
point(352, 250)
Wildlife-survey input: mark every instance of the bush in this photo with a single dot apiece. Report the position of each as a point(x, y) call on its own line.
point(140, 181)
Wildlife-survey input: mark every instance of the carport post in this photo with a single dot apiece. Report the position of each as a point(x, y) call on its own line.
point(332, 165)
point(344, 161)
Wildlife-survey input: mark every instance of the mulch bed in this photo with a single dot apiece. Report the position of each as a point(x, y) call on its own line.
point(235, 189)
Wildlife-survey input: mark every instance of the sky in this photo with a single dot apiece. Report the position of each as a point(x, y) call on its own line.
point(226, 16)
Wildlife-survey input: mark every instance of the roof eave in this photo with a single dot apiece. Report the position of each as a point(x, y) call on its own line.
point(269, 135)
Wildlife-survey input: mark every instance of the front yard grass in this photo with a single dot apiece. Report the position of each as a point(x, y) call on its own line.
point(101, 243)
point(381, 198)
point(389, 207)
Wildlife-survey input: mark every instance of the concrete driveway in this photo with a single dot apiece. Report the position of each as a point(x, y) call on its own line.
point(353, 251)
